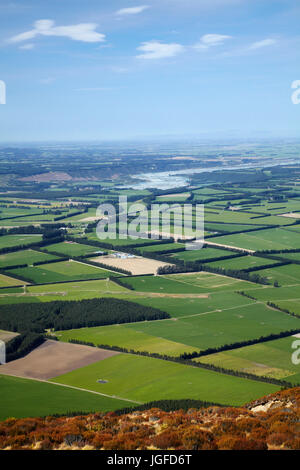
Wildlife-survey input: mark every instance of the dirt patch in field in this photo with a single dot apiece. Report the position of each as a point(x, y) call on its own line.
point(176, 195)
point(48, 177)
point(229, 246)
point(136, 265)
point(53, 358)
point(92, 219)
point(171, 235)
point(7, 335)
point(293, 215)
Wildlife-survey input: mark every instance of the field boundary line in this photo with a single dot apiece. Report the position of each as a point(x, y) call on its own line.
point(97, 267)
point(73, 387)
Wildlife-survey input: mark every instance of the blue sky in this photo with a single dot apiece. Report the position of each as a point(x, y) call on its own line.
point(118, 69)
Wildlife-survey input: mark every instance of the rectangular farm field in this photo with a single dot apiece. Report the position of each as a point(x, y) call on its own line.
point(62, 271)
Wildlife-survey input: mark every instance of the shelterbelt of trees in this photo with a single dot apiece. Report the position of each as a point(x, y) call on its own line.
point(31, 320)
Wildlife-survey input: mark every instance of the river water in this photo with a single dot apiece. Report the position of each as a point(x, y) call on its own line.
point(176, 179)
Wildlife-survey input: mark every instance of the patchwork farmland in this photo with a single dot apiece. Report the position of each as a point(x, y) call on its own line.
point(116, 323)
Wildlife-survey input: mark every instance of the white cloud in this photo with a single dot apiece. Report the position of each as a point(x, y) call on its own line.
point(263, 43)
point(211, 40)
point(79, 32)
point(132, 10)
point(27, 47)
point(159, 50)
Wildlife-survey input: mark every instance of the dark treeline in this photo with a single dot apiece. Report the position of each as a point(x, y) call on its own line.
point(237, 345)
point(50, 261)
point(15, 266)
point(270, 252)
point(169, 405)
point(64, 315)
point(20, 216)
point(245, 294)
point(164, 405)
point(121, 282)
point(29, 229)
point(22, 345)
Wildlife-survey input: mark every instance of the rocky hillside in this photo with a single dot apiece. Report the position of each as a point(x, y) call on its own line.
point(272, 422)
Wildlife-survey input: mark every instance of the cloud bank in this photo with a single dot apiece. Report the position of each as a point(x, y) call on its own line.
point(132, 10)
point(159, 50)
point(79, 32)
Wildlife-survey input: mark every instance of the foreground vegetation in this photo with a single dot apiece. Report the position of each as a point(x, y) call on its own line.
point(199, 428)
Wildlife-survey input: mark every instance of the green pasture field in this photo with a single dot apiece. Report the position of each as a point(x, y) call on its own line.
point(242, 262)
point(72, 249)
point(289, 256)
point(7, 241)
point(161, 247)
point(218, 227)
point(273, 294)
point(293, 228)
point(118, 242)
point(173, 198)
point(182, 305)
point(63, 291)
point(279, 207)
point(14, 211)
point(145, 379)
point(175, 305)
point(217, 326)
point(62, 271)
point(32, 218)
point(201, 255)
point(269, 239)
point(6, 281)
point(239, 217)
point(130, 192)
point(210, 192)
point(12, 290)
point(12, 300)
point(24, 257)
point(286, 275)
point(79, 217)
point(21, 398)
point(293, 305)
point(120, 335)
point(270, 359)
point(195, 283)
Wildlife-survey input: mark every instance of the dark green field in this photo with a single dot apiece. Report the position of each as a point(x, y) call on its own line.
point(61, 271)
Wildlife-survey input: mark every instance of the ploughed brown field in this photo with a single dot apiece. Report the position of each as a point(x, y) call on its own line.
point(53, 358)
point(137, 265)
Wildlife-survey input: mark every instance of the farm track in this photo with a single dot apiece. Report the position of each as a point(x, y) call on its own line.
point(131, 293)
point(242, 250)
point(79, 389)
